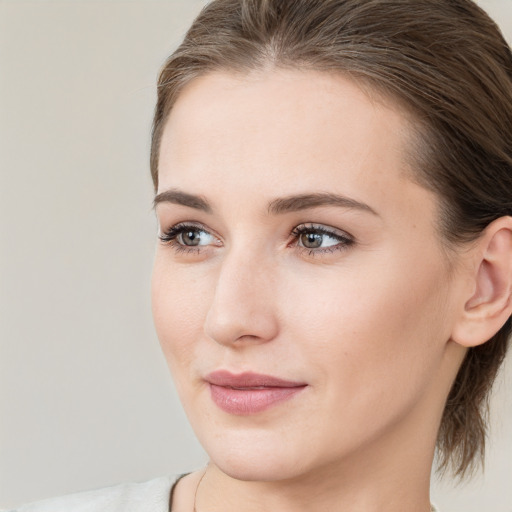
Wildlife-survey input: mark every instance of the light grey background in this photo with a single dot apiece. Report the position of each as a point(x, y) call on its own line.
point(85, 397)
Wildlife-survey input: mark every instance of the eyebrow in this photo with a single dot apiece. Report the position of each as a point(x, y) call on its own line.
point(277, 206)
point(182, 198)
point(306, 201)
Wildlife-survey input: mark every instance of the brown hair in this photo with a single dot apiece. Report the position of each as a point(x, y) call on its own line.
point(448, 62)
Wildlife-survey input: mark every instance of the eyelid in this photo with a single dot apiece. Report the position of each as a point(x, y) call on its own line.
point(345, 239)
point(169, 235)
point(325, 230)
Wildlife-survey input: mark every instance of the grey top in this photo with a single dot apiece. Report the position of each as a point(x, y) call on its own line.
point(151, 496)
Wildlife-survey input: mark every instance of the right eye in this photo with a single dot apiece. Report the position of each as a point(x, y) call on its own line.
point(183, 236)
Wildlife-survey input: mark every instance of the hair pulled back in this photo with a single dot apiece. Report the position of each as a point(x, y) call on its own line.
point(447, 61)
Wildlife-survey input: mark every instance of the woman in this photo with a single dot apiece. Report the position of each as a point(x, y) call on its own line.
point(333, 276)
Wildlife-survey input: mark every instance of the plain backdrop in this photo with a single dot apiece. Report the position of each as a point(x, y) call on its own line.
point(85, 396)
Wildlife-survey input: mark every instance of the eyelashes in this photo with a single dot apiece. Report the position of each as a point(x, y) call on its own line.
point(189, 237)
point(314, 239)
point(188, 234)
point(317, 238)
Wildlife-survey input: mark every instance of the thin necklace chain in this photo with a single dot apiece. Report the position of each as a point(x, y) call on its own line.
point(197, 487)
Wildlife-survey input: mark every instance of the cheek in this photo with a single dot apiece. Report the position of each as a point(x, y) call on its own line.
point(179, 303)
point(381, 327)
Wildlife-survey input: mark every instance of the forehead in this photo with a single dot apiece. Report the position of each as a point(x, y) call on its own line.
point(290, 107)
point(284, 132)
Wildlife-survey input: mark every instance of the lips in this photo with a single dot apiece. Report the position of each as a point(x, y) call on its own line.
point(250, 393)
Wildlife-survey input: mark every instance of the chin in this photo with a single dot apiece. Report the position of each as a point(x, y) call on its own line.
point(256, 456)
point(259, 470)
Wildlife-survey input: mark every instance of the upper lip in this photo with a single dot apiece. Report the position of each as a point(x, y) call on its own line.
point(225, 378)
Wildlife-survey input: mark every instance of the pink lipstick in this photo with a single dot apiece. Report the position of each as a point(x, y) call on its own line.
point(249, 393)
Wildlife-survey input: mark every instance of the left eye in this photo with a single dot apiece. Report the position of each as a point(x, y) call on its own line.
point(318, 237)
point(315, 240)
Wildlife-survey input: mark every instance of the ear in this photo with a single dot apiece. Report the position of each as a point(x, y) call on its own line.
point(489, 303)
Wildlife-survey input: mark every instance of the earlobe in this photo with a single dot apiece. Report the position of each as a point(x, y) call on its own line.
point(490, 304)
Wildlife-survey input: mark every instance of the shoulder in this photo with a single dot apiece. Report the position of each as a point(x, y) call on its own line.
point(151, 496)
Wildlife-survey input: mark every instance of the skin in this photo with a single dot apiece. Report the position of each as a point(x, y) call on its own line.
point(367, 324)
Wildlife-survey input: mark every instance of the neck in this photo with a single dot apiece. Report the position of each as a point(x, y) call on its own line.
point(372, 484)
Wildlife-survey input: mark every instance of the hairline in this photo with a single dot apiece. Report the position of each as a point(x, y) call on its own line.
point(417, 136)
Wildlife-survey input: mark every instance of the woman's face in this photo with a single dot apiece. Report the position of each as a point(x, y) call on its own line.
point(300, 291)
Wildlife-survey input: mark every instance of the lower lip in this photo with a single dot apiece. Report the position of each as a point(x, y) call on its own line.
point(250, 401)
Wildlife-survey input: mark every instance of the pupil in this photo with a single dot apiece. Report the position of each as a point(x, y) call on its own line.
point(312, 240)
point(191, 238)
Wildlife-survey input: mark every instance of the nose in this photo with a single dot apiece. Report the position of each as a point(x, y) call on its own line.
point(243, 309)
